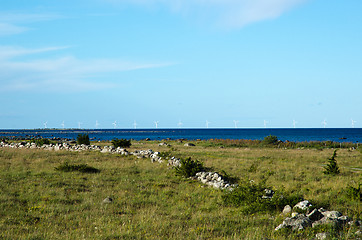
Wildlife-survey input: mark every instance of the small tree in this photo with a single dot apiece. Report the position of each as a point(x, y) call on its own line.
point(83, 139)
point(332, 167)
point(270, 140)
point(123, 143)
point(189, 167)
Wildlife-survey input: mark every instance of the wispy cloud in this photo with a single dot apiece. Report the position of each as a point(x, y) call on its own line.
point(12, 23)
point(229, 13)
point(57, 74)
point(11, 51)
point(27, 17)
point(10, 29)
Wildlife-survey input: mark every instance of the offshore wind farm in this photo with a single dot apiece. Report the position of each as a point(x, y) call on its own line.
point(180, 119)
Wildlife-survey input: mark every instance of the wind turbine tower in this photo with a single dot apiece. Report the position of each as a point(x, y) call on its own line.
point(135, 124)
point(156, 124)
point(63, 125)
point(353, 122)
point(265, 123)
point(236, 123)
point(207, 124)
point(179, 124)
point(324, 123)
point(97, 124)
point(79, 125)
point(45, 124)
point(114, 124)
point(294, 123)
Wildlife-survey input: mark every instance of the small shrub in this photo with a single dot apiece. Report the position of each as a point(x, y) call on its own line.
point(83, 139)
point(84, 168)
point(270, 140)
point(249, 196)
point(41, 141)
point(122, 143)
point(254, 167)
point(332, 167)
point(228, 178)
point(165, 155)
point(354, 193)
point(189, 167)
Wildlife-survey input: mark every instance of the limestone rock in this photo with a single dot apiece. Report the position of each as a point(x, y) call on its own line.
point(163, 144)
point(107, 200)
point(287, 210)
point(268, 193)
point(332, 214)
point(303, 205)
point(322, 236)
point(327, 221)
point(298, 222)
point(315, 215)
point(189, 145)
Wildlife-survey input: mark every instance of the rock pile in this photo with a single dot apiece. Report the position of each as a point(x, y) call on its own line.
point(164, 144)
point(215, 180)
point(113, 150)
point(54, 147)
point(174, 162)
point(316, 217)
point(189, 145)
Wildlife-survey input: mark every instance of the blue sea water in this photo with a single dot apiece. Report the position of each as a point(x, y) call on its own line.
point(353, 135)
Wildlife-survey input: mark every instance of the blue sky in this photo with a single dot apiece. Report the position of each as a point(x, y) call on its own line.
point(191, 61)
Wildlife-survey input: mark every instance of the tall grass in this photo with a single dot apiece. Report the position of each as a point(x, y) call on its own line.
point(151, 202)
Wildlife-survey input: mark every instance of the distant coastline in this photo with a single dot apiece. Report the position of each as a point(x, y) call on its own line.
point(285, 134)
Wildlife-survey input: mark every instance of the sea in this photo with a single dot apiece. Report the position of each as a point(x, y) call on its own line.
point(353, 135)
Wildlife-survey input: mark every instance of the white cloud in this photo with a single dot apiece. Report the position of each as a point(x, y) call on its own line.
point(10, 22)
point(57, 74)
point(27, 17)
point(229, 13)
point(11, 51)
point(10, 29)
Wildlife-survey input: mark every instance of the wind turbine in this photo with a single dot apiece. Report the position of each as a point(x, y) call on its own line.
point(63, 125)
point(353, 122)
point(324, 123)
point(156, 124)
point(114, 124)
point(207, 124)
point(97, 124)
point(236, 123)
point(294, 123)
point(79, 124)
point(135, 124)
point(45, 124)
point(265, 122)
point(179, 124)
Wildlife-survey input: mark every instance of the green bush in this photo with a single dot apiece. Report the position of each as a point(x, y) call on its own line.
point(41, 141)
point(122, 143)
point(83, 139)
point(84, 168)
point(270, 140)
point(189, 167)
point(354, 193)
point(249, 196)
point(332, 167)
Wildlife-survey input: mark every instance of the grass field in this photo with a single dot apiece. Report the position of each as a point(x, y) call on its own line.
point(151, 202)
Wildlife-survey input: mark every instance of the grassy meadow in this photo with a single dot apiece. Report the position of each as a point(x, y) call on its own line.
point(151, 202)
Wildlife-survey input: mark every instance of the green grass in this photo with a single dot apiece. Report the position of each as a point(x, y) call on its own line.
point(151, 202)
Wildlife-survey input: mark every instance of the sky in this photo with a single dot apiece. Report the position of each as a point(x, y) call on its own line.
point(180, 63)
